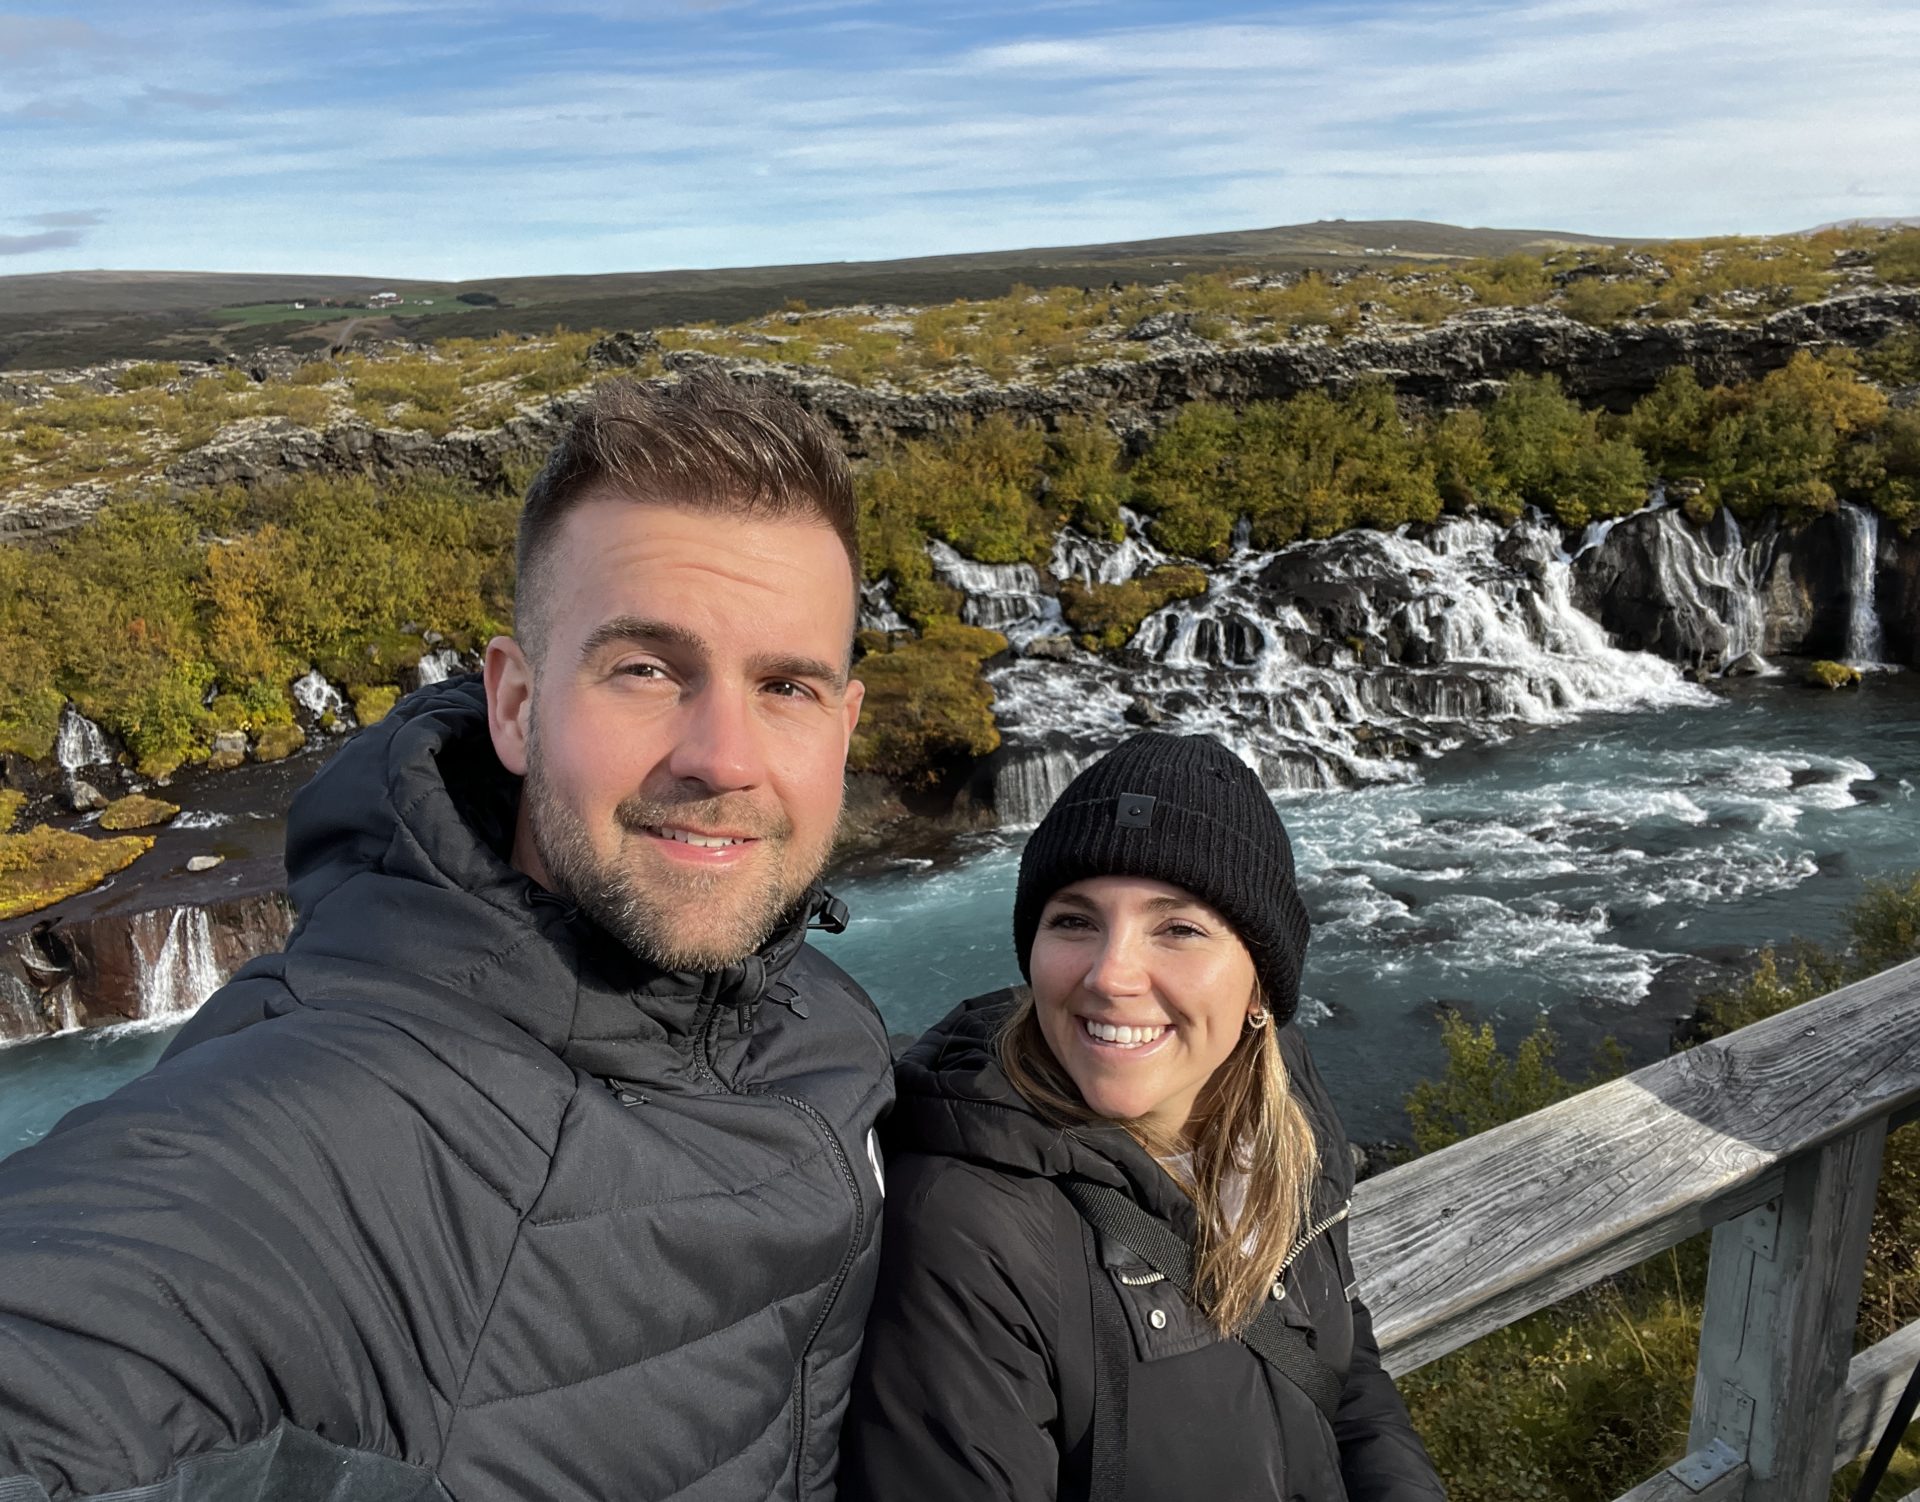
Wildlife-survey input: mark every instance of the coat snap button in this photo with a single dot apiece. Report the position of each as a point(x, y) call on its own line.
point(1158, 1319)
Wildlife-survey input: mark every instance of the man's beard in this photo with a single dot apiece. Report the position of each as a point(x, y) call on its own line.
point(674, 919)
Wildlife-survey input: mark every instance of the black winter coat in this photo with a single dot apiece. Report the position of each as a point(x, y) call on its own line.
point(454, 1198)
point(977, 1376)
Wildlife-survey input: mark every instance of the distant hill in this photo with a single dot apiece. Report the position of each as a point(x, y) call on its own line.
point(76, 317)
point(1904, 221)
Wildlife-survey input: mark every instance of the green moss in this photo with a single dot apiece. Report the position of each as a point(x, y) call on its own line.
point(278, 742)
point(928, 710)
point(137, 812)
point(1107, 615)
point(45, 866)
point(1832, 675)
point(371, 705)
point(12, 800)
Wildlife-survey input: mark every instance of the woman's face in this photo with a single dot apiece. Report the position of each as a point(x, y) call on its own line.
point(1141, 990)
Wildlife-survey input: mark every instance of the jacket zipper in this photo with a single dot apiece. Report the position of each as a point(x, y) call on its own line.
point(825, 1130)
point(1314, 1233)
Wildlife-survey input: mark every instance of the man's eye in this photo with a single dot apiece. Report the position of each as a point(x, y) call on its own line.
point(639, 669)
point(786, 688)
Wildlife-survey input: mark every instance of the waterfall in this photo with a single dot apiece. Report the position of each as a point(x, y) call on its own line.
point(1713, 593)
point(1004, 597)
point(320, 698)
point(435, 667)
point(1027, 783)
point(1866, 645)
point(1335, 663)
point(876, 608)
point(1096, 561)
point(79, 744)
point(184, 972)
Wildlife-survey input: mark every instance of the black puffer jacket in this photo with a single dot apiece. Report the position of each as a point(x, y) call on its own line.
point(452, 1198)
point(977, 1376)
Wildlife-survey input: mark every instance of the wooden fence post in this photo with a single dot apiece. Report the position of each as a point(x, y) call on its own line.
point(1783, 1291)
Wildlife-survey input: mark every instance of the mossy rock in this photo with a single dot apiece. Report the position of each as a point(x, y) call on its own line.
point(278, 742)
point(11, 802)
point(137, 812)
point(45, 866)
point(372, 705)
point(1833, 675)
point(1107, 615)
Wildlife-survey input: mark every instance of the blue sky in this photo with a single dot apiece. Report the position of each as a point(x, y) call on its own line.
point(438, 138)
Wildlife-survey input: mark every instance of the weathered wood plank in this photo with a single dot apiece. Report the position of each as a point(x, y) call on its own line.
point(1664, 1487)
point(1469, 1239)
point(1783, 1288)
point(1875, 1379)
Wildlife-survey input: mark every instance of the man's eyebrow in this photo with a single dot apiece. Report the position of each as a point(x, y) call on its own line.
point(637, 629)
point(792, 665)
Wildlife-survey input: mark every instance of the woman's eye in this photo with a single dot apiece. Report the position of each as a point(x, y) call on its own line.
point(1067, 920)
point(1184, 931)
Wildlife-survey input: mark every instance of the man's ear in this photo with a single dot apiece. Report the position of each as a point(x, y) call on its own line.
point(855, 696)
point(509, 680)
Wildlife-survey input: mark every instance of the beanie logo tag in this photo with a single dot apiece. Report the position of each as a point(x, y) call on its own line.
point(1133, 811)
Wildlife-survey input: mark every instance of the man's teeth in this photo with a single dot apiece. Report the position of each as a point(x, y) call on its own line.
point(702, 841)
point(1126, 1037)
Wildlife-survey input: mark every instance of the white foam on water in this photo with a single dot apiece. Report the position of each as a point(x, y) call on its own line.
point(318, 698)
point(197, 818)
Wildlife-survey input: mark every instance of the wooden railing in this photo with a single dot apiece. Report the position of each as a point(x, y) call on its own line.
point(1772, 1138)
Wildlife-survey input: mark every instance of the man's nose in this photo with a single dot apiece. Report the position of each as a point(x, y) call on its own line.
point(717, 744)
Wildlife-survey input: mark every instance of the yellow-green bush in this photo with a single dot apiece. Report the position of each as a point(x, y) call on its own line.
point(1107, 615)
point(928, 710)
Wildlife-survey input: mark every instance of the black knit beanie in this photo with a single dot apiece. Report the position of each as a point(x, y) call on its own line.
point(1181, 809)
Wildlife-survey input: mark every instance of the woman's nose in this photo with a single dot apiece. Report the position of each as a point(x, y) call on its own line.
point(1118, 968)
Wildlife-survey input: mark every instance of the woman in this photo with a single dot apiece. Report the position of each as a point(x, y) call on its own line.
point(1014, 1350)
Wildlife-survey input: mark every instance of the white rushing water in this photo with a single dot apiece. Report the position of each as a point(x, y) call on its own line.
point(182, 971)
point(320, 698)
point(1003, 597)
point(437, 667)
point(1323, 664)
point(1866, 644)
point(1715, 590)
point(79, 743)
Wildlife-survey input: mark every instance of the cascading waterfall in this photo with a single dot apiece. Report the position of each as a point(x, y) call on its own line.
point(876, 608)
point(1866, 644)
point(79, 743)
point(321, 699)
point(1715, 590)
point(437, 667)
point(1004, 597)
point(1097, 561)
point(183, 971)
point(1334, 663)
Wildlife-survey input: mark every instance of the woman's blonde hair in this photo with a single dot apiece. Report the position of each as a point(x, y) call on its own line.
point(1252, 1125)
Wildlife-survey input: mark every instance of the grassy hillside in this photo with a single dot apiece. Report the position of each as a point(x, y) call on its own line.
point(70, 318)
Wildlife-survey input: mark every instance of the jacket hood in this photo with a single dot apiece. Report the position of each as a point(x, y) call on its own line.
point(397, 855)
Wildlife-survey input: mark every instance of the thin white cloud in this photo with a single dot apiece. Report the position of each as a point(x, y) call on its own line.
point(1621, 116)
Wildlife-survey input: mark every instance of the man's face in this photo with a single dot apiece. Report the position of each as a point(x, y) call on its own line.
point(684, 737)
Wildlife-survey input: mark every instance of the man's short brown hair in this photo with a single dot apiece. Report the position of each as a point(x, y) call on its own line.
point(702, 442)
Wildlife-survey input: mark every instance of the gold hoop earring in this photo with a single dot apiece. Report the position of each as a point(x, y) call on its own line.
point(1258, 1018)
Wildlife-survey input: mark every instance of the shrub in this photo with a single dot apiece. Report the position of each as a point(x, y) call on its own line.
point(1551, 453)
point(1107, 615)
point(928, 709)
point(1832, 675)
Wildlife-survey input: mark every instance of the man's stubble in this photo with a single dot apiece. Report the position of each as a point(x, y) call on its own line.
point(677, 920)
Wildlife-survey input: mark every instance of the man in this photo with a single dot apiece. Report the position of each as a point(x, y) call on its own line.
point(538, 1166)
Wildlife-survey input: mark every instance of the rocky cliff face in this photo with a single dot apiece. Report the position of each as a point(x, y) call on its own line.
point(121, 967)
point(1449, 364)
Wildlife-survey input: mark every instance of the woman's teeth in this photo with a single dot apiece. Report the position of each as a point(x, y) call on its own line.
point(1125, 1037)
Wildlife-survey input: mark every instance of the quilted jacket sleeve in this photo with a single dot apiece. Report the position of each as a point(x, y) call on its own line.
point(188, 1271)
